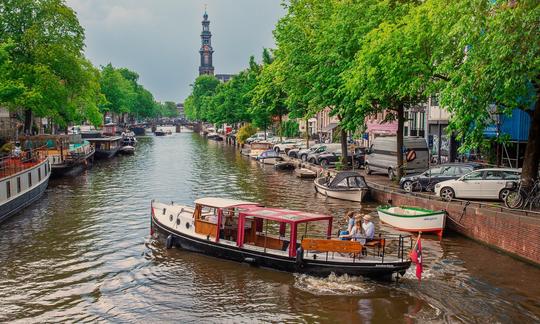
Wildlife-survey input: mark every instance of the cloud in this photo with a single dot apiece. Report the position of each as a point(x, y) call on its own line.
point(160, 39)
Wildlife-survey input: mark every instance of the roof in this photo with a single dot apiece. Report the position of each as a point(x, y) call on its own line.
point(284, 215)
point(222, 202)
point(347, 174)
point(329, 127)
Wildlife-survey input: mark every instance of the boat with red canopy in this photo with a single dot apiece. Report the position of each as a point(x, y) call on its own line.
point(282, 239)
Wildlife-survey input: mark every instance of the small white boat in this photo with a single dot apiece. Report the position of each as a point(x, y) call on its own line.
point(413, 219)
point(304, 173)
point(270, 157)
point(346, 185)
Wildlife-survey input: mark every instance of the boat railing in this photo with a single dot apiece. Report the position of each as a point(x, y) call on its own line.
point(18, 161)
point(378, 248)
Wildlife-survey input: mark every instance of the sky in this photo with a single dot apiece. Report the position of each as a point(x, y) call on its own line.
point(160, 39)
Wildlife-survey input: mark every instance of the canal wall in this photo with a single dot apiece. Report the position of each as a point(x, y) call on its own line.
point(514, 232)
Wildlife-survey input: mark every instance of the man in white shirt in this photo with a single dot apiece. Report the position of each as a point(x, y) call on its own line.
point(368, 227)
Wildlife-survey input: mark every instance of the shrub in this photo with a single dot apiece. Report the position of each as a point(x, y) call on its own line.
point(245, 132)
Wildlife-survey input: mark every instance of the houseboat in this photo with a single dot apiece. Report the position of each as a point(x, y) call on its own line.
point(23, 179)
point(286, 240)
point(106, 147)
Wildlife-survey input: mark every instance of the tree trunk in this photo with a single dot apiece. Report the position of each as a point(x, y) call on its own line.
point(307, 133)
point(529, 171)
point(27, 121)
point(399, 140)
point(344, 155)
point(280, 128)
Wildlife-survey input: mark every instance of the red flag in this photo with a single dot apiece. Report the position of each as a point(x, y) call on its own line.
point(416, 257)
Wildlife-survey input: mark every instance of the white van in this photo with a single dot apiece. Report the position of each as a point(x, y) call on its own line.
point(382, 155)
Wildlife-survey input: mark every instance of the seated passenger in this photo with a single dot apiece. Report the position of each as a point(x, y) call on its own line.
point(368, 227)
point(356, 234)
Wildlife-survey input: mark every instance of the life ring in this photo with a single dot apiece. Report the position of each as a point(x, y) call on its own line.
point(170, 242)
point(300, 256)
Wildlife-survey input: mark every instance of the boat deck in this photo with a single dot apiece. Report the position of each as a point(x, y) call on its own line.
point(11, 166)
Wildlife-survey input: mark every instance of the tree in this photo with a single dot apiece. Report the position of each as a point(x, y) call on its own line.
point(495, 61)
point(197, 105)
point(46, 56)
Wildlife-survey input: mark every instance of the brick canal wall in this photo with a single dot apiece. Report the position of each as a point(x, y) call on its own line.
point(516, 233)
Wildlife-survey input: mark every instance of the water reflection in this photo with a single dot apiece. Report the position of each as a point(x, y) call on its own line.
point(83, 253)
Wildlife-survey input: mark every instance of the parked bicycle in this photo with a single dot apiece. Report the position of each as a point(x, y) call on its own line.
point(519, 198)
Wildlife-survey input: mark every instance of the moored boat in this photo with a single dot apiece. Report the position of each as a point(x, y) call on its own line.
point(305, 173)
point(270, 157)
point(159, 132)
point(128, 142)
point(106, 147)
point(23, 180)
point(413, 219)
point(346, 185)
point(239, 231)
point(285, 165)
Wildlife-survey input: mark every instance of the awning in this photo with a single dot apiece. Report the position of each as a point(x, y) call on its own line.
point(328, 128)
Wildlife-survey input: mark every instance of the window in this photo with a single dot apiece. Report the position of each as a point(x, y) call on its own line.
point(29, 179)
point(39, 174)
point(18, 184)
point(476, 175)
point(510, 175)
point(8, 189)
point(434, 171)
point(494, 175)
point(435, 100)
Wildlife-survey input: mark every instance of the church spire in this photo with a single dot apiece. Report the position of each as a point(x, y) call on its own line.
point(206, 50)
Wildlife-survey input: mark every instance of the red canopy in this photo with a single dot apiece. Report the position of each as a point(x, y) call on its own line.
point(292, 217)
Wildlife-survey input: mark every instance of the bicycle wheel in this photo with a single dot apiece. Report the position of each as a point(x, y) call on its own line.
point(514, 199)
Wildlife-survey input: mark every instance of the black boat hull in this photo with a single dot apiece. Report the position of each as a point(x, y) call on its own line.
point(266, 260)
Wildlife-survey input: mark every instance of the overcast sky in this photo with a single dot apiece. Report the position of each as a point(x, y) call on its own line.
point(160, 39)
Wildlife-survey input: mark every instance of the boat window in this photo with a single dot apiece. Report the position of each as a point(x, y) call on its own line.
point(39, 174)
point(8, 189)
point(29, 179)
point(343, 183)
point(18, 184)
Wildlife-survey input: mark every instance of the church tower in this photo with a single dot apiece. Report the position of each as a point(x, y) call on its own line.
point(206, 50)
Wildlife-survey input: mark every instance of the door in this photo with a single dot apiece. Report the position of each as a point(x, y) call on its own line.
point(470, 186)
point(493, 183)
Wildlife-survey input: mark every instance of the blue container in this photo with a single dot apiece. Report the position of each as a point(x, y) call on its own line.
point(343, 233)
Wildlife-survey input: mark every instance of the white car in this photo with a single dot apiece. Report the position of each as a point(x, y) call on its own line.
point(286, 145)
point(478, 184)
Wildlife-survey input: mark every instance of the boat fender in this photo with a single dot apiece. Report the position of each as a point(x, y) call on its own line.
point(170, 241)
point(250, 260)
point(299, 256)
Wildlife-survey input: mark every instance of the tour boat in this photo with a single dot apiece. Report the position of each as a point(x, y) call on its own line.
point(23, 180)
point(128, 143)
point(269, 157)
point(413, 219)
point(281, 239)
point(346, 185)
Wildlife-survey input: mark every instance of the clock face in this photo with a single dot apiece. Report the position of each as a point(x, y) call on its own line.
point(206, 48)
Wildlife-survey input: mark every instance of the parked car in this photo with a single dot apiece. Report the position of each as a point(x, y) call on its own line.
point(478, 184)
point(382, 155)
point(286, 145)
point(429, 178)
point(260, 136)
point(313, 157)
point(331, 158)
point(303, 153)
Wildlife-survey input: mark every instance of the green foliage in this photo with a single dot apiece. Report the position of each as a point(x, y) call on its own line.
point(290, 128)
point(245, 132)
point(198, 106)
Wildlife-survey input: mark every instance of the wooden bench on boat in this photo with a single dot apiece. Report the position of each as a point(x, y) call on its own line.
point(324, 245)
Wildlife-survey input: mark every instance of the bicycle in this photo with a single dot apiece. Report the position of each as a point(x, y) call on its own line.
point(519, 198)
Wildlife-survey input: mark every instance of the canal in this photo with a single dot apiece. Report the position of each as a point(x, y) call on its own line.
point(84, 253)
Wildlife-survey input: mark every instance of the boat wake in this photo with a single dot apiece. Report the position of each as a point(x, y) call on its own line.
point(333, 285)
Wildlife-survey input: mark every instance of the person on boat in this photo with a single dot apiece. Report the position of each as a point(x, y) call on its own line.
point(368, 227)
point(349, 217)
point(356, 234)
point(17, 150)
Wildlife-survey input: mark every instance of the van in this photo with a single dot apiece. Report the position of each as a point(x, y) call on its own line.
point(382, 155)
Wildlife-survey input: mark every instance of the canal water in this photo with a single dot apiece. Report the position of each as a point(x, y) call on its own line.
point(84, 253)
